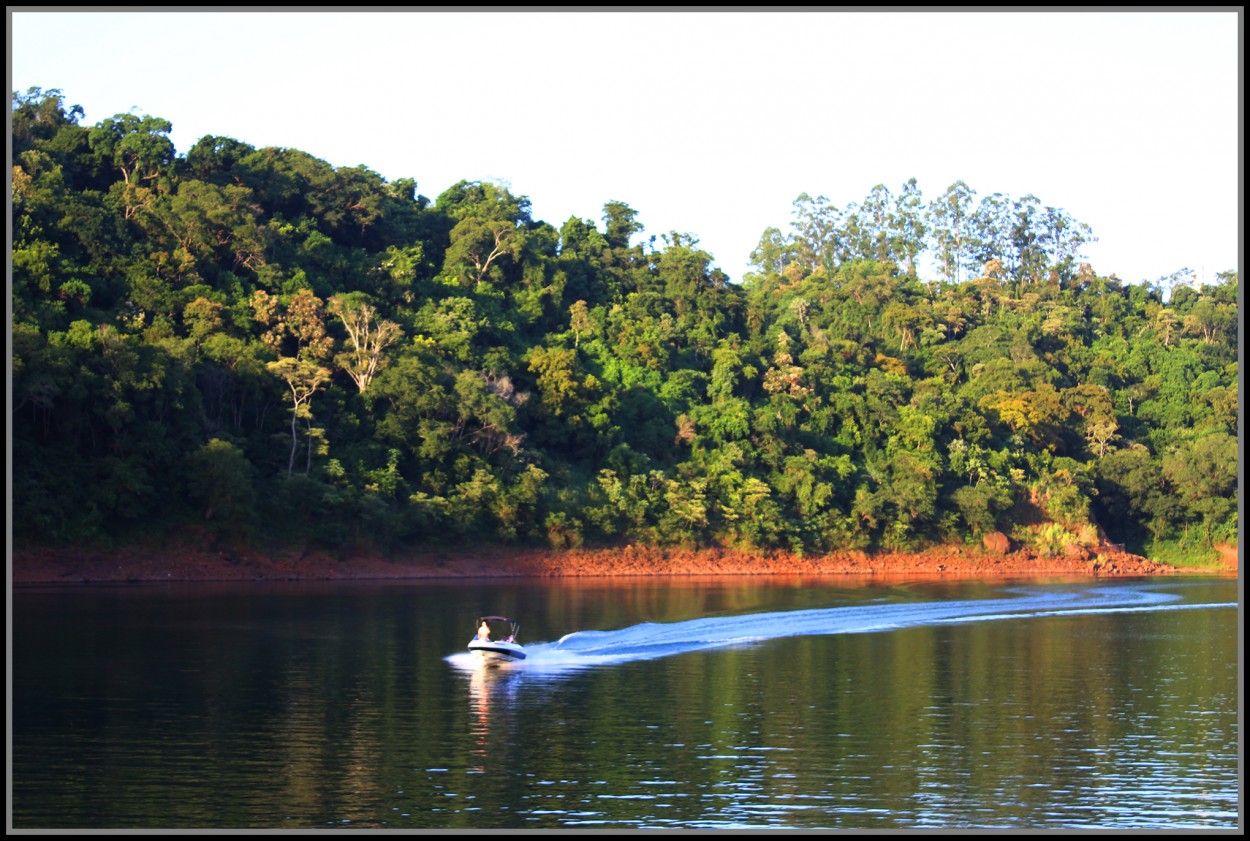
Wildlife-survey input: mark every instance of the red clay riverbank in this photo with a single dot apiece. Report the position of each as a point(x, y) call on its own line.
point(193, 561)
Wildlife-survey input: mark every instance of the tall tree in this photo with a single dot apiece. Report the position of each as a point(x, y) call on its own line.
point(488, 231)
point(138, 147)
point(621, 220)
point(304, 378)
point(991, 232)
point(908, 227)
point(367, 338)
point(876, 211)
point(950, 220)
point(816, 233)
point(1028, 239)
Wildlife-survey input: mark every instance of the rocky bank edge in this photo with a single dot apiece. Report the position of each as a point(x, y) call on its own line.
point(190, 560)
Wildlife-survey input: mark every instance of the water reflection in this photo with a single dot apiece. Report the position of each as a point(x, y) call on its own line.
point(493, 692)
point(956, 705)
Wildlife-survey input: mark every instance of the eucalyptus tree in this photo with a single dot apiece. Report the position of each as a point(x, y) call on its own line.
point(1027, 237)
point(1064, 239)
point(817, 241)
point(908, 227)
point(875, 211)
point(950, 221)
point(774, 252)
point(991, 232)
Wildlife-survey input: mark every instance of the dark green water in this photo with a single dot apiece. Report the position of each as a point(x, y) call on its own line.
point(928, 704)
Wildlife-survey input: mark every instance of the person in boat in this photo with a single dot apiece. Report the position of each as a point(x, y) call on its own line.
point(483, 632)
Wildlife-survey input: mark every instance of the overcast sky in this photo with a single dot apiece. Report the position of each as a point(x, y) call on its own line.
point(708, 123)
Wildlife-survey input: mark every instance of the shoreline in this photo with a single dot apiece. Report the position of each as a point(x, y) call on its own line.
point(198, 560)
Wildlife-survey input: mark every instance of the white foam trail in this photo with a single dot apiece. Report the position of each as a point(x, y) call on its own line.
point(647, 641)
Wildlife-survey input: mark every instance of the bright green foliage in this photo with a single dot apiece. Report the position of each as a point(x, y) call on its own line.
point(248, 336)
point(138, 147)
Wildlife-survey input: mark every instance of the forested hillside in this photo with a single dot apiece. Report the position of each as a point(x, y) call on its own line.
point(253, 340)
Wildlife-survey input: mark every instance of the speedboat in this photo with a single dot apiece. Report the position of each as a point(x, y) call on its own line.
point(503, 648)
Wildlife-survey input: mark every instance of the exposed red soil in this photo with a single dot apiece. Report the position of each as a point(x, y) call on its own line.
point(1229, 556)
point(189, 559)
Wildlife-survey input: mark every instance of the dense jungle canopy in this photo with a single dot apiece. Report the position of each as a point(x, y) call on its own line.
point(280, 350)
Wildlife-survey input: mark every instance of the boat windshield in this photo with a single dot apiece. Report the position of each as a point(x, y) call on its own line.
point(498, 627)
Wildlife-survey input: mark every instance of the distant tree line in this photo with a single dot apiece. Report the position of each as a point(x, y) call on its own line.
point(1032, 243)
point(281, 350)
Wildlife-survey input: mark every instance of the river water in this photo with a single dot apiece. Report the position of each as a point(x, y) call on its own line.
point(697, 703)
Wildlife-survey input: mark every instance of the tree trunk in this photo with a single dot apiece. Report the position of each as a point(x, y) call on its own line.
point(290, 466)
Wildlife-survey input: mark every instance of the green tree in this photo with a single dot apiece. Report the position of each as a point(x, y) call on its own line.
point(219, 477)
point(368, 338)
point(818, 233)
point(137, 146)
point(304, 378)
point(1204, 476)
point(908, 227)
point(480, 243)
point(951, 223)
point(621, 224)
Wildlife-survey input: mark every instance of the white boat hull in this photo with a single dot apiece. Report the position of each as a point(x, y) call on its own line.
point(496, 652)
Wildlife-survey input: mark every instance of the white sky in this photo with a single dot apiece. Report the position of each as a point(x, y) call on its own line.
point(709, 123)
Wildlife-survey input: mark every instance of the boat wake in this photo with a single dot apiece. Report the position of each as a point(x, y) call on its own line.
point(648, 641)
